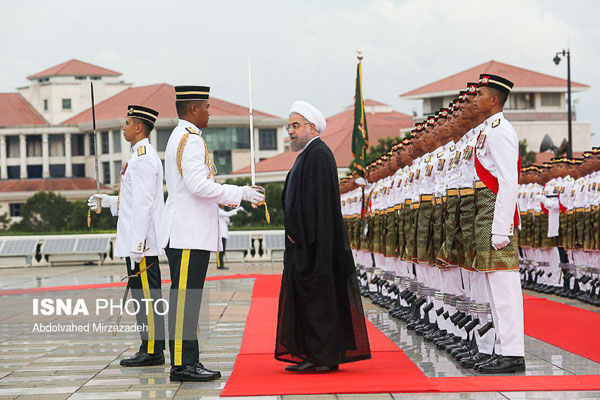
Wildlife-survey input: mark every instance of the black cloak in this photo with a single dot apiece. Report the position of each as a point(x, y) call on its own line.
point(320, 316)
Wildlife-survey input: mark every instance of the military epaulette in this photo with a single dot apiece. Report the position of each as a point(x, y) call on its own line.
point(192, 131)
point(496, 123)
point(452, 147)
point(141, 151)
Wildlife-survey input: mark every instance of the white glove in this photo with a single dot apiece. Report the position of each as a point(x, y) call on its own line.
point(499, 241)
point(540, 197)
point(93, 201)
point(136, 257)
point(252, 195)
point(360, 181)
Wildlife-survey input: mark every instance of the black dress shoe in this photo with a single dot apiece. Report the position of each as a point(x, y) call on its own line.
point(478, 358)
point(141, 359)
point(192, 373)
point(306, 366)
point(503, 365)
point(223, 267)
point(199, 365)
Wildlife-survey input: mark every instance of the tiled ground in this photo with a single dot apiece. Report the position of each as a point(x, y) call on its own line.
point(34, 366)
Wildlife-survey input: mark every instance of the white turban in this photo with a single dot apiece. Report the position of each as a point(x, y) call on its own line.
point(309, 112)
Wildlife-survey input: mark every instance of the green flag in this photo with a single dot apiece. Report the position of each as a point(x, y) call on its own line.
point(360, 136)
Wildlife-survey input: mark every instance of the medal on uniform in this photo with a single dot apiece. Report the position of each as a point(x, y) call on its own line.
point(441, 163)
point(418, 173)
point(480, 141)
point(411, 176)
point(468, 153)
point(456, 158)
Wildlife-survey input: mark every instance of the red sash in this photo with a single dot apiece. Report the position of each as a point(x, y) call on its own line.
point(544, 209)
point(563, 209)
point(491, 182)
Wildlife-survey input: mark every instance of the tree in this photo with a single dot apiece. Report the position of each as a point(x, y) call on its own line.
point(382, 147)
point(51, 212)
point(44, 212)
point(527, 157)
point(4, 222)
point(255, 217)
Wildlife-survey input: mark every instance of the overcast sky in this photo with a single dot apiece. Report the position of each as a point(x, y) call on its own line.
point(303, 49)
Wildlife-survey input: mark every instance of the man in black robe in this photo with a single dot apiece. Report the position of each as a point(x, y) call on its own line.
point(320, 321)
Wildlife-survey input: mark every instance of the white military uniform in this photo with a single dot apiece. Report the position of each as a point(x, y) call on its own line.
point(499, 155)
point(140, 203)
point(191, 217)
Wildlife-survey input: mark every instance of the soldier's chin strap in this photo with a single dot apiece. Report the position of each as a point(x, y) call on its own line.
point(262, 203)
point(127, 288)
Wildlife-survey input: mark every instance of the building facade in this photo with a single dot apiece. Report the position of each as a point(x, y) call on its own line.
point(536, 107)
point(46, 131)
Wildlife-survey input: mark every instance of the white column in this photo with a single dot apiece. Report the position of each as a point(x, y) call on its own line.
point(111, 164)
point(86, 144)
point(23, 156)
point(68, 160)
point(45, 156)
point(3, 168)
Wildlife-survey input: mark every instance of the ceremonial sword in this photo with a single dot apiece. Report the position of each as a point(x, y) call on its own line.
point(98, 201)
point(252, 160)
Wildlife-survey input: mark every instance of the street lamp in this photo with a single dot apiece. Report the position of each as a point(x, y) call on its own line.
point(557, 60)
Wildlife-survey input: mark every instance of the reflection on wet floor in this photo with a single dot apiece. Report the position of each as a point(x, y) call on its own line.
point(76, 367)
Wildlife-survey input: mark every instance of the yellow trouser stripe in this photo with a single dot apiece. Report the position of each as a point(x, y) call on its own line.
point(150, 314)
point(183, 272)
point(218, 259)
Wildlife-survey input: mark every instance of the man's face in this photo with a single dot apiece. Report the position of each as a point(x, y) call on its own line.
point(468, 108)
point(482, 103)
point(202, 113)
point(131, 129)
point(300, 131)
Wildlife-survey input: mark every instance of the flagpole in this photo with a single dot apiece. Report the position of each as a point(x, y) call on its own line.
point(252, 160)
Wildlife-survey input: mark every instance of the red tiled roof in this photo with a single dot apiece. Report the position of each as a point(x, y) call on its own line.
point(16, 111)
point(521, 77)
point(160, 97)
point(53, 184)
point(75, 67)
point(338, 136)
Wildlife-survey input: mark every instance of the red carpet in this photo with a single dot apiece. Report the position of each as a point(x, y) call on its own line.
point(257, 373)
point(570, 328)
point(389, 369)
point(8, 292)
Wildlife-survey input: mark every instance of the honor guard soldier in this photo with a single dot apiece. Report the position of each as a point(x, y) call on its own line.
point(139, 207)
point(497, 164)
point(190, 227)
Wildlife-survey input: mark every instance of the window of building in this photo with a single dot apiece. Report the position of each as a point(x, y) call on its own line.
point(95, 78)
point(66, 104)
point(222, 159)
point(13, 171)
point(12, 147)
point(78, 170)
point(116, 141)
point(106, 173)
point(267, 139)
point(118, 168)
point(104, 142)
point(15, 209)
point(34, 171)
point(230, 138)
point(45, 104)
point(77, 144)
point(34, 145)
point(162, 137)
point(520, 101)
point(551, 99)
point(92, 147)
point(436, 103)
point(56, 144)
point(81, 78)
point(57, 170)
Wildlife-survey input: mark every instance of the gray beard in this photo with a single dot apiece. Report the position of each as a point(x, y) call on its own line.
point(298, 144)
